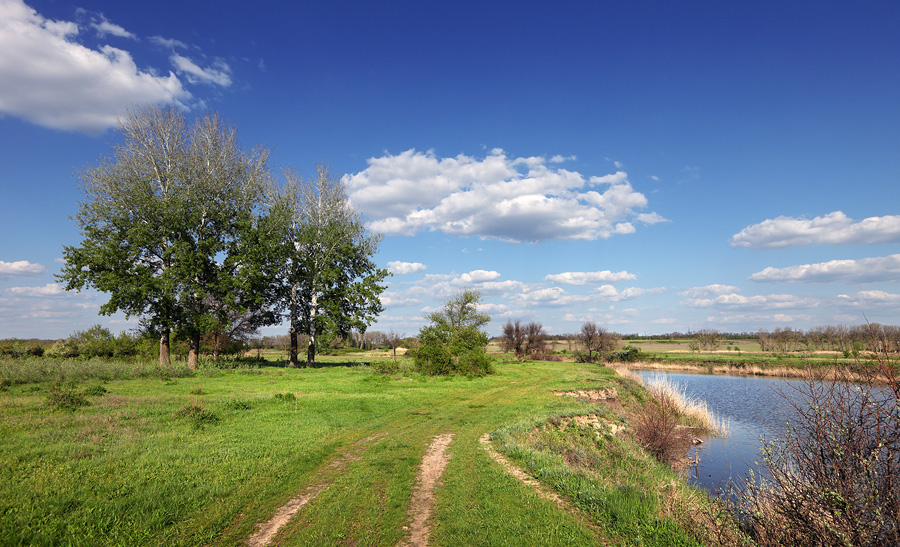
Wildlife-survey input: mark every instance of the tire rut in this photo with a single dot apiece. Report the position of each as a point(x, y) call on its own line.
point(268, 530)
point(433, 464)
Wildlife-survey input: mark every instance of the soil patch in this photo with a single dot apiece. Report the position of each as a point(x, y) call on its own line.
point(268, 529)
point(433, 465)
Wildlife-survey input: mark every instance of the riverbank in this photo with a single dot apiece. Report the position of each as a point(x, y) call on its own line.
point(843, 373)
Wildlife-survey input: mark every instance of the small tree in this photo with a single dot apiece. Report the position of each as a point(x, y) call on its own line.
point(453, 342)
point(595, 341)
point(513, 339)
point(708, 339)
point(393, 339)
point(535, 340)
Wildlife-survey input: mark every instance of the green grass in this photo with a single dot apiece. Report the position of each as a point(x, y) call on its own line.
point(181, 459)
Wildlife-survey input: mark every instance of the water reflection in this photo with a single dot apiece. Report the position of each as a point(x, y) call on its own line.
point(756, 408)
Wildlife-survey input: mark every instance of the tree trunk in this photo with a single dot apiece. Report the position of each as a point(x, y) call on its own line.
point(292, 331)
point(164, 359)
point(194, 351)
point(311, 350)
point(293, 335)
point(311, 347)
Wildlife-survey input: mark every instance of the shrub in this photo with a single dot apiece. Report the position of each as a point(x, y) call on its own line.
point(285, 397)
point(385, 367)
point(629, 354)
point(658, 431)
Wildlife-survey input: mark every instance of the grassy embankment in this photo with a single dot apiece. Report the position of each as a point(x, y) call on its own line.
point(175, 458)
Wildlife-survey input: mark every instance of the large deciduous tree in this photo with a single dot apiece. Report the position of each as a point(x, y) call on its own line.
point(329, 281)
point(165, 222)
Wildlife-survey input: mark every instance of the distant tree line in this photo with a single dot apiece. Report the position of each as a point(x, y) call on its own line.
point(194, 235)
point(871, 337)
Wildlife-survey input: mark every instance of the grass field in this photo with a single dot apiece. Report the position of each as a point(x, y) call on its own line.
point(202, 459)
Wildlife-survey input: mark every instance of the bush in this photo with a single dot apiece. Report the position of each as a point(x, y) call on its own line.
point(629, 354)
point(834, 475)
point(21, 348)
point(658, 431)
point(475, 363)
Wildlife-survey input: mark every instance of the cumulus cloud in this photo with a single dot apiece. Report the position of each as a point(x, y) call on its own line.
point(478, 276)
point(511, 199)
point(865, 270)
point(218, 74)
point(589, 278)
point(709, 290)
point(51, 80)
point(20, 267)
point(833, 229)
point(398, 267)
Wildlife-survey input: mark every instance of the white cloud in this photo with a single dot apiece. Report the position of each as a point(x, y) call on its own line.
point(168, 43)
point(51, 80)
point(50, 289)
point(833, 229)
point(219, 74)
point(478, 276)
point(709, 290)
point(870, 299)
point(865, 270)
point(770, 319)
point(104, 27)
point(764, 302)
point(20, 267)
point(398, 267)
point(509, 199)
point(589, 278)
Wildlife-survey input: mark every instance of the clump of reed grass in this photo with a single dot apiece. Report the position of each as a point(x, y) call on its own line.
point(673, 395)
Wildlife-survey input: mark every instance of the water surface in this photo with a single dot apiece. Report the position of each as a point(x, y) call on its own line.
point(756, 407)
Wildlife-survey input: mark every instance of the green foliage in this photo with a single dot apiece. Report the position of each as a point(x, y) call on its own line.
point(21, 348)
point(453, 343)
point(163, 221)
point(285, 397)
point(628, 354)
point(329, 282)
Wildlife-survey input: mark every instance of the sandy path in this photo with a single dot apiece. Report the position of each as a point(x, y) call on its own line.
point(268, 529)
point(430, 473)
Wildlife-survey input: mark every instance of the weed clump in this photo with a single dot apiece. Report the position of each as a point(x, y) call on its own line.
point(62, 396)
point(238, 404)
point(285, 397)
point(198, 416)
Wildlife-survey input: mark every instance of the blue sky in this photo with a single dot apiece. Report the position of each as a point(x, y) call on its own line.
point(651, 166)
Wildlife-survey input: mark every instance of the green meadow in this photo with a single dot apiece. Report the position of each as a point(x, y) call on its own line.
point(177, 457)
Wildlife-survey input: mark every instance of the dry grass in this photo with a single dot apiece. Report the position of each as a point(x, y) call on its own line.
point(672, 395)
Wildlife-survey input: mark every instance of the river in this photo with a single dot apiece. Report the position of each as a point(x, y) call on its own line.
point(756, 407)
